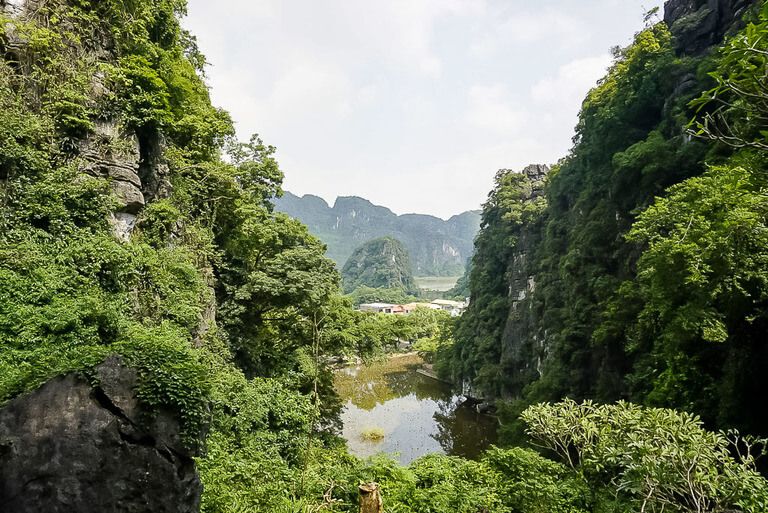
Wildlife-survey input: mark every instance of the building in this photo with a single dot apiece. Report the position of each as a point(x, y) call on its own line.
point(410, 307)
point(386, 308)
point(456, 308)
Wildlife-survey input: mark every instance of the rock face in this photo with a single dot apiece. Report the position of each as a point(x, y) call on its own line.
point(699, 24)
point(113, 154)
point(522, 349)
point(70, 447)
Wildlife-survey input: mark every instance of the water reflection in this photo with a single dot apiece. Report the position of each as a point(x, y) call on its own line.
point(418, 415)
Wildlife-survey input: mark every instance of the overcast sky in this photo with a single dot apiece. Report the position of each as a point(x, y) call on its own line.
point(412, 104)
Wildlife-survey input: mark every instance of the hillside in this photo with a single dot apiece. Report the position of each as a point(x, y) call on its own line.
point(436, 247)
point(168, 341)
point(379, 263)
point(635, 268)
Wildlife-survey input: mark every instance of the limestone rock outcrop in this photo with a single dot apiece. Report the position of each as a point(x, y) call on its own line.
point(699, 24)
point(113, 154)
point(73, 447)
point(131, 160)
point(522, 348)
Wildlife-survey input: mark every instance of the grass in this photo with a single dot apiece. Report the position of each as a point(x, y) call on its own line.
point(372, 434)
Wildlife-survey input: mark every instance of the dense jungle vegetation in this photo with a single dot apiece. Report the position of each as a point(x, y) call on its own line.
point(251, 384)
point(645, 256)
point(381, 263)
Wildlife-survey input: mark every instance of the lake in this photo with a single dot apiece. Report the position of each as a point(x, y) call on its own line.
point(438, 283)
point(416, 414)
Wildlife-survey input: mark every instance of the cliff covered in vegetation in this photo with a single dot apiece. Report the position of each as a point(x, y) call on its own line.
point(165, 334)
point(123, 231)
point(644, 257)
point(379, 263)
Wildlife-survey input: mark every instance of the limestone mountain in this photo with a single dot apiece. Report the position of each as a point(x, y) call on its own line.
point(379, 263)
point(436, 247)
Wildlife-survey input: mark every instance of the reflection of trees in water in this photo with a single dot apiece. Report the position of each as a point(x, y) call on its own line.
point(411, 382)
point(445, 418)
point(461, 431)
point(378, 383)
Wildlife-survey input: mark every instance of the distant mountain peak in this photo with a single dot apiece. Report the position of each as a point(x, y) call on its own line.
point(436, 247)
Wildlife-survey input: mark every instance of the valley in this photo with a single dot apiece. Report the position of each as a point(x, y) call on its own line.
point(179, 334)
point(438, 283)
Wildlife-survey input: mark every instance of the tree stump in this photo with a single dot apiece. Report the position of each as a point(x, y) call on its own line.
point(370, 499)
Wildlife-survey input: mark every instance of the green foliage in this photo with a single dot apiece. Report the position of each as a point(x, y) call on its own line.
point(461, 290)
point(432, 332)
point(653, 459)
point(71, 292)
point(532, 483)
point(511, 206)
point(365, 294)
point(735, 110)
point(144, 93)
point(598, 315)
point(628, 149)
point(255, 444)
point(379, 263)
point(504, 481)
point(704, 337)
point(255, 374)
point(444, 483)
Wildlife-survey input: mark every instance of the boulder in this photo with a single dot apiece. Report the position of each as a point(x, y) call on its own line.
point(73, 447)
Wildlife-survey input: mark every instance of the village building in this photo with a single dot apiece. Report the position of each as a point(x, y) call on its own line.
point(410, 307)
point(456, 308)
point(386, 308)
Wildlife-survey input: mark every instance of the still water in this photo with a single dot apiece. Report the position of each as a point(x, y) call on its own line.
point(418, 415)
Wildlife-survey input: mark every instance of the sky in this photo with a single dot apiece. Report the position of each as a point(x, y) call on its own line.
point(411, 104)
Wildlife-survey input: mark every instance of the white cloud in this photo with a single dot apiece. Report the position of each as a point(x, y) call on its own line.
point(515, 27)
point(571, 82)
point(490, 107)
point(413, 104)
point(310, 88)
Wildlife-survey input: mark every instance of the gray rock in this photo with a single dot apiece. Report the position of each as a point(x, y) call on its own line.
point(129, 196)
point(115, 154)
point(13, 7)
point(153, 167)
point(123, 224)
point(70, 447)
point(697, 25)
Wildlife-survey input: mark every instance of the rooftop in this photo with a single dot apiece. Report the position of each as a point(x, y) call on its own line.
point(448, 302)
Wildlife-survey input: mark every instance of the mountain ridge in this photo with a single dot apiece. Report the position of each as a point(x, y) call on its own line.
point(437, 247)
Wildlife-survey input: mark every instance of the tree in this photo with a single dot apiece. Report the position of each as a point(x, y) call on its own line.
point(654, 459)
point(703, 286)
point(735, 111)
